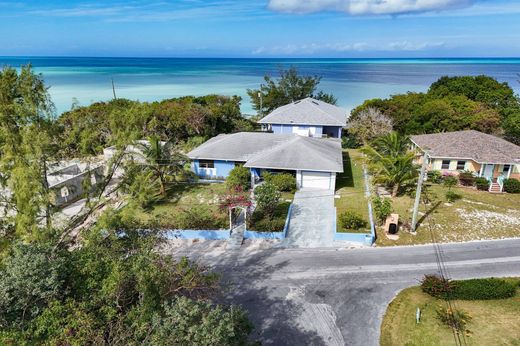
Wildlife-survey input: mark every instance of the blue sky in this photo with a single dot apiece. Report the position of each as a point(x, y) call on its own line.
point(262, 28)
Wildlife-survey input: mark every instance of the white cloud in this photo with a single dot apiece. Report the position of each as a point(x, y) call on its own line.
point(366, 7)
point(315, 48)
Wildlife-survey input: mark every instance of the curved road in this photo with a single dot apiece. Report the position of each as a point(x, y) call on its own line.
point(338, 297)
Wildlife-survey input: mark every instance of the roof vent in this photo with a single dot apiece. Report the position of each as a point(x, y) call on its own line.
point(316, 103)
point(296, 102)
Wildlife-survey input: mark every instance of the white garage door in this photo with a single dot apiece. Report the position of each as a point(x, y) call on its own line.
point(317, 180)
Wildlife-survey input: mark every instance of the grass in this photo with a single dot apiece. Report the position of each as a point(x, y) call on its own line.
point(478, 215)
point(493, 322)
point(351, 189)
point(185, 197)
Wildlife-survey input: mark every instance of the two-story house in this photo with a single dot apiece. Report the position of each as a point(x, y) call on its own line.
point(307, 117)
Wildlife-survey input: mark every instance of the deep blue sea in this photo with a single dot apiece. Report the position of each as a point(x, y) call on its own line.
point(86, 80)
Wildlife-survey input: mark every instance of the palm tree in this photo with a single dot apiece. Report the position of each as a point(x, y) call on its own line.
point(162, 161)
point(390, 161)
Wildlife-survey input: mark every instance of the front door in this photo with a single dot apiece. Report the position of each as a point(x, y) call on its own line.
point(488, 171)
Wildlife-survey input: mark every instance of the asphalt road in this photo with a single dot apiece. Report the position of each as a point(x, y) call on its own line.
point(338, 297)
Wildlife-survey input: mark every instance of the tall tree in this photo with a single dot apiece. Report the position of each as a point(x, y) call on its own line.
point(27, 143)
point(288, 88)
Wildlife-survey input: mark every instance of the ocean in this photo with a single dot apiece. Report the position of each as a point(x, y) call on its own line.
point(86, 80)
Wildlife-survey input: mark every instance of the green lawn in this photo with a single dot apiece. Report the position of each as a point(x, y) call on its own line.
point(478, 215)
point(493, 322)
point(351, 189)
point(192, 206)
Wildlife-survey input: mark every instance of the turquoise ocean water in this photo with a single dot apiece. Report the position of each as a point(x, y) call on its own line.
point(147, 79)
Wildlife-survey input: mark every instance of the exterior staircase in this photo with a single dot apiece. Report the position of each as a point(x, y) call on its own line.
point(237, 233)
point(495, 188)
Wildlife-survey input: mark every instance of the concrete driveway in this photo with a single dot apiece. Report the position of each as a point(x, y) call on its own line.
point(312, 219)
point(338, 297)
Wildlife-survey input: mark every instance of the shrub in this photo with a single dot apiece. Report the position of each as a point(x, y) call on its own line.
point(454, 318)
point(267, 198)
point(435, 177)
point(436, 286)
point(450, 181)
point(260, 222)
point(382, 208)
point(482, 183)
point(483, 289)
point(452, 196)
point(466, 178)
point(285, 182)
point(351, 220)
point(512, 185)
point(239, 176)
point(196, 217)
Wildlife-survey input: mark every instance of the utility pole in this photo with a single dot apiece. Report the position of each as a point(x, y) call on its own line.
point(114, 89)
point(261, 106)
point(418, 192)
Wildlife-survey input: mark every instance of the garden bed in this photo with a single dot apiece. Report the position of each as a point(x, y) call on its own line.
point(259, 222)
point(493, 322)
point(478, 215)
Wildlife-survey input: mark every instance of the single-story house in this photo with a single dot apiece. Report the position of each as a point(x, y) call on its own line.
point(68, 179)
point(307, 117)
point(313, 161)
point(485, 155)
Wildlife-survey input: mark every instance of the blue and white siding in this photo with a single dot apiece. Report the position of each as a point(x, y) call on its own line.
point(307, 130)
point(220, 169)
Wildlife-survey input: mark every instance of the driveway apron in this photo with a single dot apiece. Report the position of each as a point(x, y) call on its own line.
point(312, 219)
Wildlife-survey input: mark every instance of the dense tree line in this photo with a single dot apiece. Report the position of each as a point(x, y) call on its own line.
point(451, 104)
point(105, 284)
point(87, 130)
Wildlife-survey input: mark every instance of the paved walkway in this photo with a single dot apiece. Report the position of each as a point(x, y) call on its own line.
point(312, 219)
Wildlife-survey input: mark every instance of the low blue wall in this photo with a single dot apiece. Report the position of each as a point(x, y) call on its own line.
point(364, 238)
point(263, 235)
point(197, 234)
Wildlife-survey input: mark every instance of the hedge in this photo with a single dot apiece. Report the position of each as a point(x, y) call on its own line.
point(482, 289)
point(473, 289)
point(512, 185)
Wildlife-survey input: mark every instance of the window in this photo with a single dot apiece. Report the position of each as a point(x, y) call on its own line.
point(461, 165)
point(206, 164)
point(445, 164)
point(506, 169)
point(64, 192)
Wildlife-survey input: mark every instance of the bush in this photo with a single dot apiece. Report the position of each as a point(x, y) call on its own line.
point(267, 198)
point(474, 289)
point(435, 177)
point(382, 208)
point(466, 178)
point(352, 221)
point(284, 182)
point(239, 176)
point(483, 289)
point(454, 318)
point(436, 286)
point(449, 181)
point(512, 185)
point(452, 196)
point(482, 183)
point(31, 277)
point(196, 217)
point(260, 222)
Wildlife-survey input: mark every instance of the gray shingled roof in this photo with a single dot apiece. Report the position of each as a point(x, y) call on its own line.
point(471, 144)
point(307, 112)
point(276, 151)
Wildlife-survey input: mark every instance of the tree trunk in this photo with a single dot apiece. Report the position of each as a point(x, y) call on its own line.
point(395, 190)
